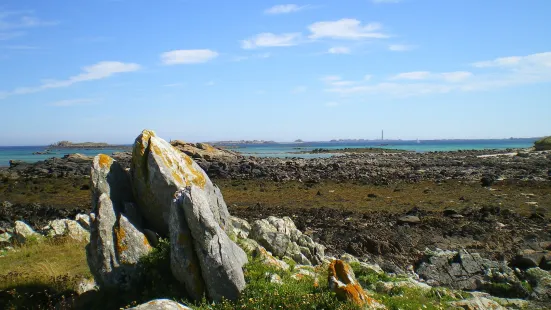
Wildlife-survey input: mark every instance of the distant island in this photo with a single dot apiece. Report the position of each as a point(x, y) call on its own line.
point(85, 145)
point(242, 142)
point(351, 150)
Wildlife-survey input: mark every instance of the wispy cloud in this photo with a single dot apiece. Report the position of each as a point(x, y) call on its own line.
point(339, 50)
point(400, 47)
point(497, 73)
point(210, 83)
point(100, 70)
point(93, 39)
point(71, 102)
point(284, 9)
point(14, 24)
point(174, 84)
point(456, 76)
point(346, 29)
point(254, 56)
point(181, 57)
point(268, 39)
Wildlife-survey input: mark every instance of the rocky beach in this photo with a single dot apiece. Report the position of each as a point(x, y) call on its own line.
point(463, 220)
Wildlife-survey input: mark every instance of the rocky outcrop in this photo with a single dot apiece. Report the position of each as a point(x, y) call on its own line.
point(165, 193)
point(342, 281)
point(116, 244)
point(158, 170)
point(221, 260)
point(160, 304)
point(463, 270)
point(203, 150)
point(281, 237)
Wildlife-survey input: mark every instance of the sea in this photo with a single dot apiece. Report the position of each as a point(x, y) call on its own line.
point(25, 153)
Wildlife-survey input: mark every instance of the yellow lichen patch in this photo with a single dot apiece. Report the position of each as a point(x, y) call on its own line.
point(199, 179)
point(146, 242)
point(105, 161)
point(120, 244)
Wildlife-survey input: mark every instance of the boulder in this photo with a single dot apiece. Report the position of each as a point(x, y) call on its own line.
point(5, 238)
point(241, 228)
point(268, 259)
point(342, 281)
point(477, 303)
point(160, 304)
point(409, 219)
point(23, 232)
point(461, 270)
point(116, 244)
point(541, 283)
point(70, 228)
point(281, 237)
point(158, 170)
point(221, 260)
point(83, 220)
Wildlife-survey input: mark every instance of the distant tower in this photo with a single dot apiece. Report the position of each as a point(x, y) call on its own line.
point(382, 135)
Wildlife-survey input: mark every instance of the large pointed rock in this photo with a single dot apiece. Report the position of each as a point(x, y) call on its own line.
point(221, 260)
point(158, 170)
point(116, 244)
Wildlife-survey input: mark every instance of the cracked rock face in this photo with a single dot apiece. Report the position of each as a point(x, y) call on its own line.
point(463, 270)
point(281, 237)
point(116, 244)
point(158, 170)
point(202, 239)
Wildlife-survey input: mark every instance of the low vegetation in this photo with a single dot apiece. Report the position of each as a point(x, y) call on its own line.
point(41, 275)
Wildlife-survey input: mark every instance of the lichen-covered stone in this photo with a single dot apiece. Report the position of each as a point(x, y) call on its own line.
point(342, 281)
point(221, 260)
point(116, 244)
point(241, 228)
point(161, 304)
point(83, 220)
point(281, 237)
point(69, 228)
point(23, 232)
point(158, 170)
point(268, 259)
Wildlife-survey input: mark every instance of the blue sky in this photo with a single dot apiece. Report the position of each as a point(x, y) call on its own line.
point(204, 70)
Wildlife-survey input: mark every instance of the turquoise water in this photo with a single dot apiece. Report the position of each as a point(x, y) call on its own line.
point(24, 153)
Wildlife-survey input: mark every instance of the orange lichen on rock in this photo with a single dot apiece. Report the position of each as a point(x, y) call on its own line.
point(120, 244)
point(343, 283)
point(105, 161)
point(146, 242)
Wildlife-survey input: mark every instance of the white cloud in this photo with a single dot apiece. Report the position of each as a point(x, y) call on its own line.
point(497, 73)
point(339, 50)
point(100, 70)
point(210, 83)
point(178, 57)
point(385, 1)
point(346, 28)
point(456, 76)
point(332, 104)
point(179, 84)
point(71, 102)
point(268, 39)
point(399, 47)
point(10, 35)
point(284, 9)
point(19, 47)
point(542, 60)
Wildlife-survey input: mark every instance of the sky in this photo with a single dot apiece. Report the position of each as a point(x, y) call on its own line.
point(210, 70)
